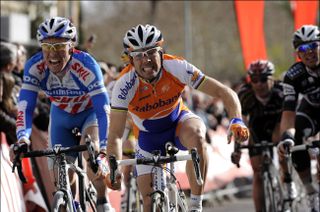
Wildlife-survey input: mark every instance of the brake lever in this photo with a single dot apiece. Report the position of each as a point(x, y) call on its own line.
point(90, 149)
point(237, 149)
point(17, 164)
point(113, 167)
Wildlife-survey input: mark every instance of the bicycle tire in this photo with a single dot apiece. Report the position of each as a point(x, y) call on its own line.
point(59, 201)
point(268, 195)
point(129, 200)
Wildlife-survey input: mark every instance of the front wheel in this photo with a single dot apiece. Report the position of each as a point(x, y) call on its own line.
point(59, 203)
point(268, 195)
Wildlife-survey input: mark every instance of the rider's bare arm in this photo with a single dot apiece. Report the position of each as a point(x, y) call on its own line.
point(230, 99)
point(116, 129)
point(287, 122)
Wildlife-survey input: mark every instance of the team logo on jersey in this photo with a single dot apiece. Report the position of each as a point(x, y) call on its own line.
point(288, 89)
point(195, 75)
point(83, 73)
point(41, 67)
point(128, 85)
point(160, 103)
point(165, 88)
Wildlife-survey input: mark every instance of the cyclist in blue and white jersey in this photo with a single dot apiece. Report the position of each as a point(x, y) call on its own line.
point(73, 81)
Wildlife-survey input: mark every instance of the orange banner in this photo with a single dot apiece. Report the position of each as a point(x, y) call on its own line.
point(251, 29)
point(304, 12)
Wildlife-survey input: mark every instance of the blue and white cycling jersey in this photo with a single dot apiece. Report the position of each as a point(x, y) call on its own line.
point(81, 89)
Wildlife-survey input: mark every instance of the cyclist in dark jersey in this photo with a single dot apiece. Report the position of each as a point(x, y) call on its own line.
point(261, 101)
point(301, 114)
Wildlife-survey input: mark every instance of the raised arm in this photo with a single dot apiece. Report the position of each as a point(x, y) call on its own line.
point(230, 99)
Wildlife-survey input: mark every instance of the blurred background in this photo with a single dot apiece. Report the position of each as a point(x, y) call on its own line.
point(204, 32)
point(219, 37)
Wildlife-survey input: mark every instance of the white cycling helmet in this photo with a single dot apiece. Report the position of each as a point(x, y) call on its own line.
point(306, 34)
point(261, 67)
point(57, 27)
point(142, 37)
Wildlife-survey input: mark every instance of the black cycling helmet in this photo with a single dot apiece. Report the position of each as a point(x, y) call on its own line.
point(306, 34)
point(261, 67)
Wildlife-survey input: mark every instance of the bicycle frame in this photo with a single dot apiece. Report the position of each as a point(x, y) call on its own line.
point(58, 152)
point(166, 183)
point(270, 184)
point(165, 189)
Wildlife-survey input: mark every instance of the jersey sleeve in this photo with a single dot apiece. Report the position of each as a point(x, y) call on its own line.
point(187, 73)
point(124, 91)
point(290, 94)
point(26, 106)
point(101, 106)
point(91, 77)
point(28, 96)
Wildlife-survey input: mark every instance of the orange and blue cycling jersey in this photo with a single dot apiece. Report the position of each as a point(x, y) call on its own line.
point(156, 108)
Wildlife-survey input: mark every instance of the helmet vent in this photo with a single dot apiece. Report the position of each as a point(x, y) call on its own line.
point(310, 33)
point(134, 42)
point(51, 23)
point(44, 29)
point(149, 39)
point(60, 27)
point(140, 33)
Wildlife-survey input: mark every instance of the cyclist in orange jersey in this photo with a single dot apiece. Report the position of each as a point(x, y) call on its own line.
point(150, 88)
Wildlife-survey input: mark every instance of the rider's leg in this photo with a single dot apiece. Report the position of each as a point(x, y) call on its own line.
point(304, 128)
point(97, 182)
point(257, 190)
point(128, 147)
point(191, 133)
point(145, 188)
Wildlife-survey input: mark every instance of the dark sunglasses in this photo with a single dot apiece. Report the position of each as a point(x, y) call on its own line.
point(259, 79)
point(308, 46)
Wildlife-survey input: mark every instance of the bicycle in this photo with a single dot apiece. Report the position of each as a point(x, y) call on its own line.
point(133, 200)
point(167, 194)
point(271, 187)
point(63, 198)
point(312, 145)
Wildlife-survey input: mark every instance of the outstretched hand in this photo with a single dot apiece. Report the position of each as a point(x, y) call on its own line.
point(238, 131)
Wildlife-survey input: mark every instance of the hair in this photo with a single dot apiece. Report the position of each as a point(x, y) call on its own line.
point(9, 53)
point(6, 101)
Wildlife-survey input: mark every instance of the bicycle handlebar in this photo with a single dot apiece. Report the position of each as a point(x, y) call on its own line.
point(311, 145)
point(262, 145)
point(56, 150)
point(155, 161)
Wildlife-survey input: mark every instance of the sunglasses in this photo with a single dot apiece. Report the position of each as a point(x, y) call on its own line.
point(149, 53)
point(54, 46)
point(259, 79)
point(306, 47)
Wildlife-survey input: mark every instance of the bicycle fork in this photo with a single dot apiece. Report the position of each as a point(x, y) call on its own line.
point(64, 184)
